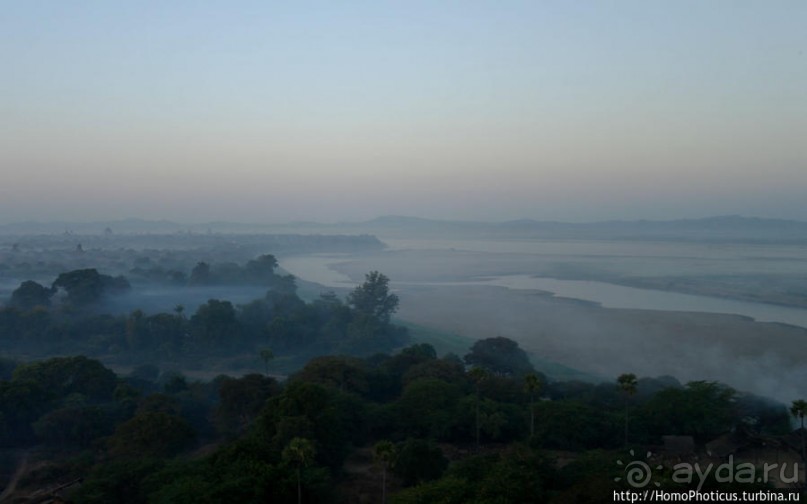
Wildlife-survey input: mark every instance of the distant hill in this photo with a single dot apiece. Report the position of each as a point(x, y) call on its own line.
point(720, 228)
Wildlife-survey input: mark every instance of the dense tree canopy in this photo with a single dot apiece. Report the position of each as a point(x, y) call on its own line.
point(500, 356)
point(29, 295)
point(87, 286)
point(483, 430)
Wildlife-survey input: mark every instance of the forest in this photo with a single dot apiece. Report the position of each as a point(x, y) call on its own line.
point(95, 408)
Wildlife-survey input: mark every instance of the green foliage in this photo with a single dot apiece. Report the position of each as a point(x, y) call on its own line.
point(29, 295)
point(628, 383)
point(328, 417)
point(118, 481)
point(347, 374)
point(159, 403)
point(266, 355)
point(516, 475)
point(500, 356)
point(449, 371)
point(448, 490)
point(86, 286)
point(21, 403)
point(574, 425)
point(63, 376)
point(588, 477)
point(214, 325)
point(77, 426)
point(386, 453)
point(241, 400)
point(151, 434)
point(281, 320)
point(419, 460)
point(799, 410)
point(200, 274)
point(701, 409)
point(372, 298)
point(279, 442)
point(299, 452)
point(262, 269)
point(284, 442)
point(258, 271)
point(428, 409)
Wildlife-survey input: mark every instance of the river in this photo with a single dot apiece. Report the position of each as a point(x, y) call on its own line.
point(673, 257)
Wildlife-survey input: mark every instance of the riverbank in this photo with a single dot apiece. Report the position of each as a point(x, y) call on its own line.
point(764, 358)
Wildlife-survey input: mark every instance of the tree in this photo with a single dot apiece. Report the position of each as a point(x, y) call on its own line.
point(215, 325)
point(200, 274)
point(419, 460)
point(64, 376)
point(348, 374)
point(152, 434)
point(478, 375)
point(372, 298)
point(429, 408)
point(532, 384)
point(799, 409)
point(701, 409)
point(241, 400)
point(299, 452)
point(261, 270)
point(627, 384)
point(266, 356)
point(500, 356)
point(384, 453)
point(87, 286)
point(29, 295)
point(73, 425)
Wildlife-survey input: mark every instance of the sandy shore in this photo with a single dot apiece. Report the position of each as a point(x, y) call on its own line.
point(764, 358)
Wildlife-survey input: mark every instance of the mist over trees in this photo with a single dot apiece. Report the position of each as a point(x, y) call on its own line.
point(70, 316)
point(361, 413)
point(160, 437)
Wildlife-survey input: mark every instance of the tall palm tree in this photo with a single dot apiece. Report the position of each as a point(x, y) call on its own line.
point(532, 384)
point(300, 452)
point(267, 355)
point(384, 453)
point(799, 409)
point(478, 375)
point(628, 384)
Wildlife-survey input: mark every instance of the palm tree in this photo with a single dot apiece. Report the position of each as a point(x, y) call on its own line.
point(799, 409)
point(300, 452)
point(478, 375)
point(627, 383)
point(385, 453)
point(532, 384)
point(267, 355)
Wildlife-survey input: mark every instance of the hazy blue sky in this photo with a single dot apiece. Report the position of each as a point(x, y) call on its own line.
point(272, 111)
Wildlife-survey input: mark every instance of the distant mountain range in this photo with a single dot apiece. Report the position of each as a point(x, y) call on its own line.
point(721, 228)
point(732, 227)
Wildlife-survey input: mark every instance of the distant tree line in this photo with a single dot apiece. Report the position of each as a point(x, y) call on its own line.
point(360, 324)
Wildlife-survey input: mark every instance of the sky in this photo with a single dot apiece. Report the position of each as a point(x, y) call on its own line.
point(259, 111)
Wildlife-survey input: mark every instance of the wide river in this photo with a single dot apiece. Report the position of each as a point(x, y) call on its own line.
point(316, 268)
